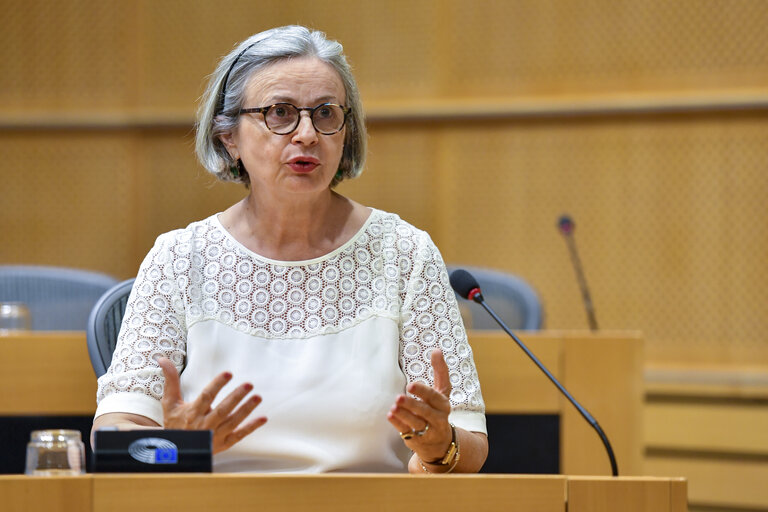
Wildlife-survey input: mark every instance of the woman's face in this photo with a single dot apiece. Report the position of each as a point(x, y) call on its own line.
point(303, 160)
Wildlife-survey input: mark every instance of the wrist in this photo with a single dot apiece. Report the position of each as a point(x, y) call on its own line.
point(447, 462)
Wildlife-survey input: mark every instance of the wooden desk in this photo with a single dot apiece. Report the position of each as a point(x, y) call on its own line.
point(46, 373)
point(603, 371)
point(50, 373)
point(342, 493)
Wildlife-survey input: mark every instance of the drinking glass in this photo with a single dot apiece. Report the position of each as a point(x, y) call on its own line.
point(14, 317)
point(55, 452)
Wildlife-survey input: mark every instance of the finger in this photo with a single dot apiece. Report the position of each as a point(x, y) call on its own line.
point(407, 417)
point(172, 391)
point(226, 406)
point(397, 423)
point(242, 412)
point(428, 395)
point(421, 410)
point(442, 376)
point(202, 405)
point(238, 435)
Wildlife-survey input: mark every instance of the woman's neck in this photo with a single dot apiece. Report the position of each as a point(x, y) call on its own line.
point(295, 229)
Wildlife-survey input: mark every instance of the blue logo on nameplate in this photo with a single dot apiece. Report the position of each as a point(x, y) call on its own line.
point(154, 450)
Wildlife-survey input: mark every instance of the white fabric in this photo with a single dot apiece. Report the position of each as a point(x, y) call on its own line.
point(328, 343)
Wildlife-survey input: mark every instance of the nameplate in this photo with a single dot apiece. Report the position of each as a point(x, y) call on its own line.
point(152, 451)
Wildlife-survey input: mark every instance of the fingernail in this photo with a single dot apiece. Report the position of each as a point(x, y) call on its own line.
point(227, 375)
point(256, 398)
point(248, 386)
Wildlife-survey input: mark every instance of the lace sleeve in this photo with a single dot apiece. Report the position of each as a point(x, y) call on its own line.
point(431, 319)
point(153, 326)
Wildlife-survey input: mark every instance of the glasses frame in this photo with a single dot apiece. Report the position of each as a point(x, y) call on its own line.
point(263, 111)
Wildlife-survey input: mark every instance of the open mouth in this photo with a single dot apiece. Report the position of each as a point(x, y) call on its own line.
point(303, 164)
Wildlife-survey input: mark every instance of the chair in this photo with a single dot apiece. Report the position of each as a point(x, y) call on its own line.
point(514, 300)
point(104, 325)
point(58, 299)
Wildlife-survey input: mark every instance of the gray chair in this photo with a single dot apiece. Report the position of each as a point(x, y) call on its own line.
point(58, 299)
point(514, 300)
point(104, 325)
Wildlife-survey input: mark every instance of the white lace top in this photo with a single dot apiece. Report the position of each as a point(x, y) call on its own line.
point(328, 343)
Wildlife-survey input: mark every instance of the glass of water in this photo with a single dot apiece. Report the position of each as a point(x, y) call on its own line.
point(14, 317)
point(55, 452)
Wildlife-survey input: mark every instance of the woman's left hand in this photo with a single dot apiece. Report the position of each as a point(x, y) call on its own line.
point(426, 419)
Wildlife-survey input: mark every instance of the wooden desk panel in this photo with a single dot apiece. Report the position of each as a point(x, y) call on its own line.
point(603, 371)
point(646, 494)
point(342, 493)
point(331, 493)
point(46, 373)
point(20, 493)
point(50, 373)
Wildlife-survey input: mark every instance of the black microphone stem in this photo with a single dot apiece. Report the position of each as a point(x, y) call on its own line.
point(592, 421)
point(582, 282)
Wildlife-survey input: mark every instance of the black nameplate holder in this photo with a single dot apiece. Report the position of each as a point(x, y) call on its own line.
point(152, 451)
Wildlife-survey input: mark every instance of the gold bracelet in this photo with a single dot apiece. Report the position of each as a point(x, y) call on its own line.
point(451, 457)
point(450, 469)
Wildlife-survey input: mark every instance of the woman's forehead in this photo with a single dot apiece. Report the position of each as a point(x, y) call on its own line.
point(300, 79)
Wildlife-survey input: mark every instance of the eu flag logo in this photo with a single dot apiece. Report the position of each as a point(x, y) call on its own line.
point(166, 456)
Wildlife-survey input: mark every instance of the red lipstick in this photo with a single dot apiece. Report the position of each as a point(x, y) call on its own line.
point(303, 164)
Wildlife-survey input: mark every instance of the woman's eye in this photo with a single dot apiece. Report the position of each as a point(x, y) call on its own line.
point(324, 112)
point(280, 111)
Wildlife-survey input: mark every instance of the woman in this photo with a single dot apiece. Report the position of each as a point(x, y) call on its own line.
point(339, 314)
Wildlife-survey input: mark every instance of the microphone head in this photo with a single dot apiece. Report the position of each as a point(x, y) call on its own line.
point(565, 224)
point(465, 285)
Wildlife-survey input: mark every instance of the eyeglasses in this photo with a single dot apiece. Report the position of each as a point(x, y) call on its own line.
point(283, 118)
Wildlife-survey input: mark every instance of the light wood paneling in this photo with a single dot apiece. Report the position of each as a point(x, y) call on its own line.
point(661, 209)
point(353, 492)
point(717, 482)
point(603, 371)
point(628, 494)
point(46, 374)
point(68, 199)
point(665, 204)
point(335, 493)
point(607, 368)
point(735, 427)
point(22, 493)
point(150, 55)
point(511, 382)
point(53, 374)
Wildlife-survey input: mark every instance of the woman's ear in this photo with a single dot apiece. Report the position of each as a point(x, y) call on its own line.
point(228, 140)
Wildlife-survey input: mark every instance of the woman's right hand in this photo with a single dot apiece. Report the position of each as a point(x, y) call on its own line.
point(225, 421)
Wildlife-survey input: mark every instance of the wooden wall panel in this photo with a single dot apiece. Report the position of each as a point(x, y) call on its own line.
point(667, 213)
point(64, 56)
point(149, 56)
point(535, 47)
point(96, 103)
point(400, 174)
point(68, 199)
point(174, 189)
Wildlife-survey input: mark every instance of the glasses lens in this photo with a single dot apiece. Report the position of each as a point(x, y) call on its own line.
point(328, 118)
point(281, 118)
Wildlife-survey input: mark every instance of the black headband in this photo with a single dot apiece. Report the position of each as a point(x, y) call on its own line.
point(223, 92)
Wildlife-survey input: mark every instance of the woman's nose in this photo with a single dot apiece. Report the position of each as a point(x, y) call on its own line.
point(305, 133)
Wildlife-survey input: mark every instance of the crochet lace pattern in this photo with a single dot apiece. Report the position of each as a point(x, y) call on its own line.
point(388, 269)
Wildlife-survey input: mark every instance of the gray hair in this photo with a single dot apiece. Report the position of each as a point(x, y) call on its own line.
point(216, 117)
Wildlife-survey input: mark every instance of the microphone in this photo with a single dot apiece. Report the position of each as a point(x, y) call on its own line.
point(466, 286)
point(566, 226)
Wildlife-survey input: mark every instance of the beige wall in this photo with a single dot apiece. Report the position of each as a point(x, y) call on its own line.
point(644, 120)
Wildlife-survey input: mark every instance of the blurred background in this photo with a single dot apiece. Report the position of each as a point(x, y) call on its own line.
point(647, 121)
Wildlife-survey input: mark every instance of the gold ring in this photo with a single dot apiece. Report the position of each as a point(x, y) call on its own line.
point(407, 435)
